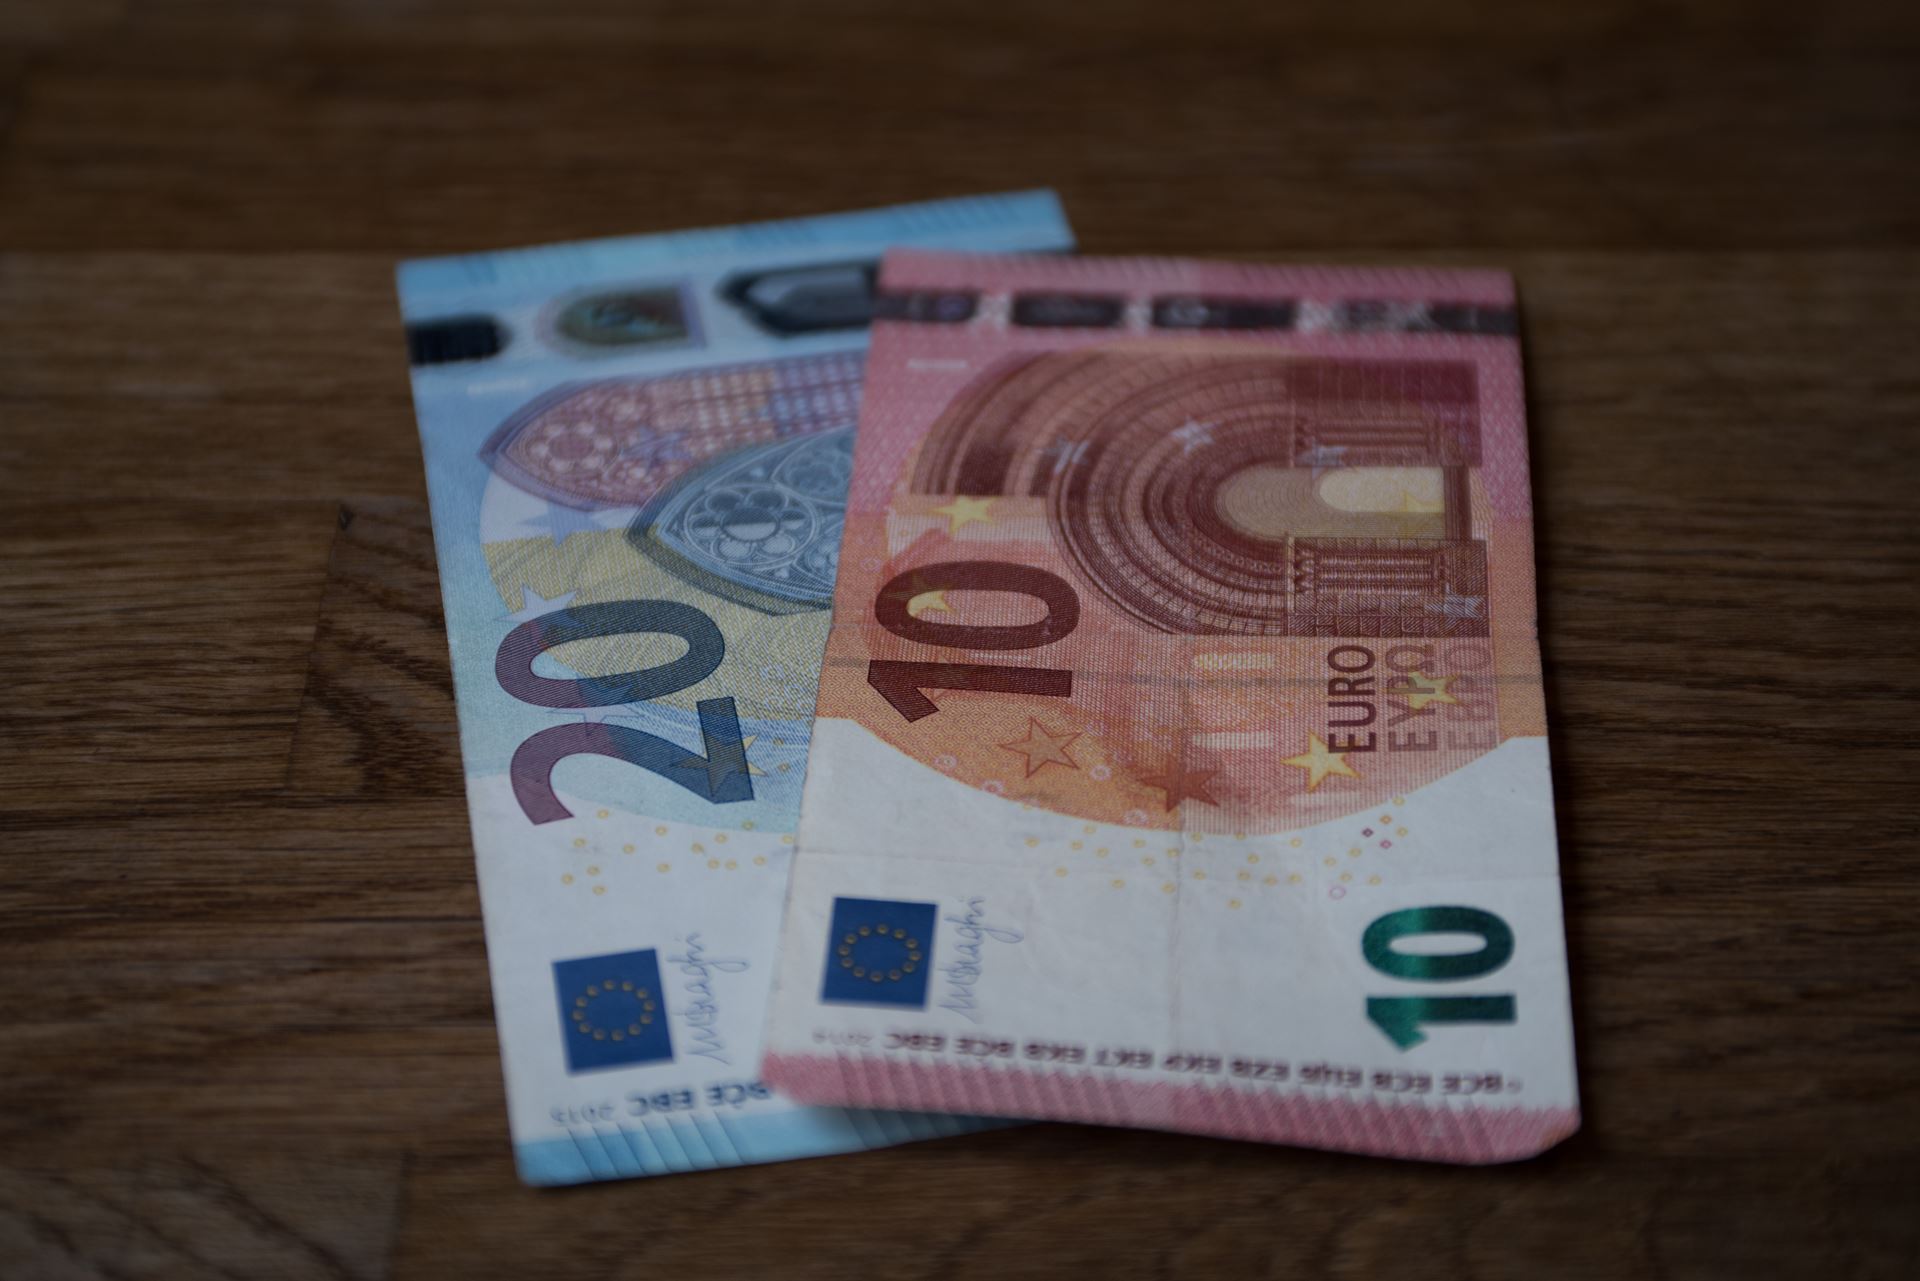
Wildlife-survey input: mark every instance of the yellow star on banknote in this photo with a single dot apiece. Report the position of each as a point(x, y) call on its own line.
point(964, 511)
point(752, 769)
point(1422, 689)
point(1319, 762)
point(929, 603)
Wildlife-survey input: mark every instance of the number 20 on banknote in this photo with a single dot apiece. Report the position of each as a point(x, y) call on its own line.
point(719, 776)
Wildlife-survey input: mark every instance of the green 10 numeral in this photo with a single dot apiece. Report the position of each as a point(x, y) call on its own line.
point(1402, 1017)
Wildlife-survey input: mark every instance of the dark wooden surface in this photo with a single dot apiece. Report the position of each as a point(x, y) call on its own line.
point(244, 1018)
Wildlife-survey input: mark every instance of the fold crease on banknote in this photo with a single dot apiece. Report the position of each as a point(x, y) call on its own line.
point(637, 452)
point(1181, 754)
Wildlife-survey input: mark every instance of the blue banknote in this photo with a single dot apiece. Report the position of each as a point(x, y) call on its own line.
point(637, 452)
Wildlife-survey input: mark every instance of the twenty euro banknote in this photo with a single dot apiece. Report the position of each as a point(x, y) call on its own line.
point(637, 452)
point(1181, 758)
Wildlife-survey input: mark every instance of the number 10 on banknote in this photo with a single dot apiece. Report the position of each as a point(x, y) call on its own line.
point(1181, 758)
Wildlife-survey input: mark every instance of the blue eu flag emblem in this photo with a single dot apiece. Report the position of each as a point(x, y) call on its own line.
point(612, 1011)
point(879, 952)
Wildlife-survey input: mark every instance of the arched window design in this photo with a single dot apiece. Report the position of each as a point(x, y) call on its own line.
point(1240, 493)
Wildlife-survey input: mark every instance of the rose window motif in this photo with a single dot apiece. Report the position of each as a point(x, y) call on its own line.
point(749, 524)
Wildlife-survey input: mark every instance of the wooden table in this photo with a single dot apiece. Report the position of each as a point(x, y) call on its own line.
point(244, 1018)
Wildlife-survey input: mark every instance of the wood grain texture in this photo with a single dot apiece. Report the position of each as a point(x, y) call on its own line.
point(245, 1028)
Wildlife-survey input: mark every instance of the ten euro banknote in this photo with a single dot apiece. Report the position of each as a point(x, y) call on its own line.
point(1181, 758)
point(637, 452)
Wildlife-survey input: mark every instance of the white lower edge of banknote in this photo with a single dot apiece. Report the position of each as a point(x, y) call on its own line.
point(1237, 995)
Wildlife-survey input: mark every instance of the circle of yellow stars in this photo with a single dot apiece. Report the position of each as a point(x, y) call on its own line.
point(878, 974)
point(586, 1026)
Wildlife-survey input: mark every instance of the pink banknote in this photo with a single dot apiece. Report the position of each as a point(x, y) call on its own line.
point(1181, 758)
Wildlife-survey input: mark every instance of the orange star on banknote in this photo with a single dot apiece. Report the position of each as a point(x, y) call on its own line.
point(1181, 782)
point(1042, 748)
